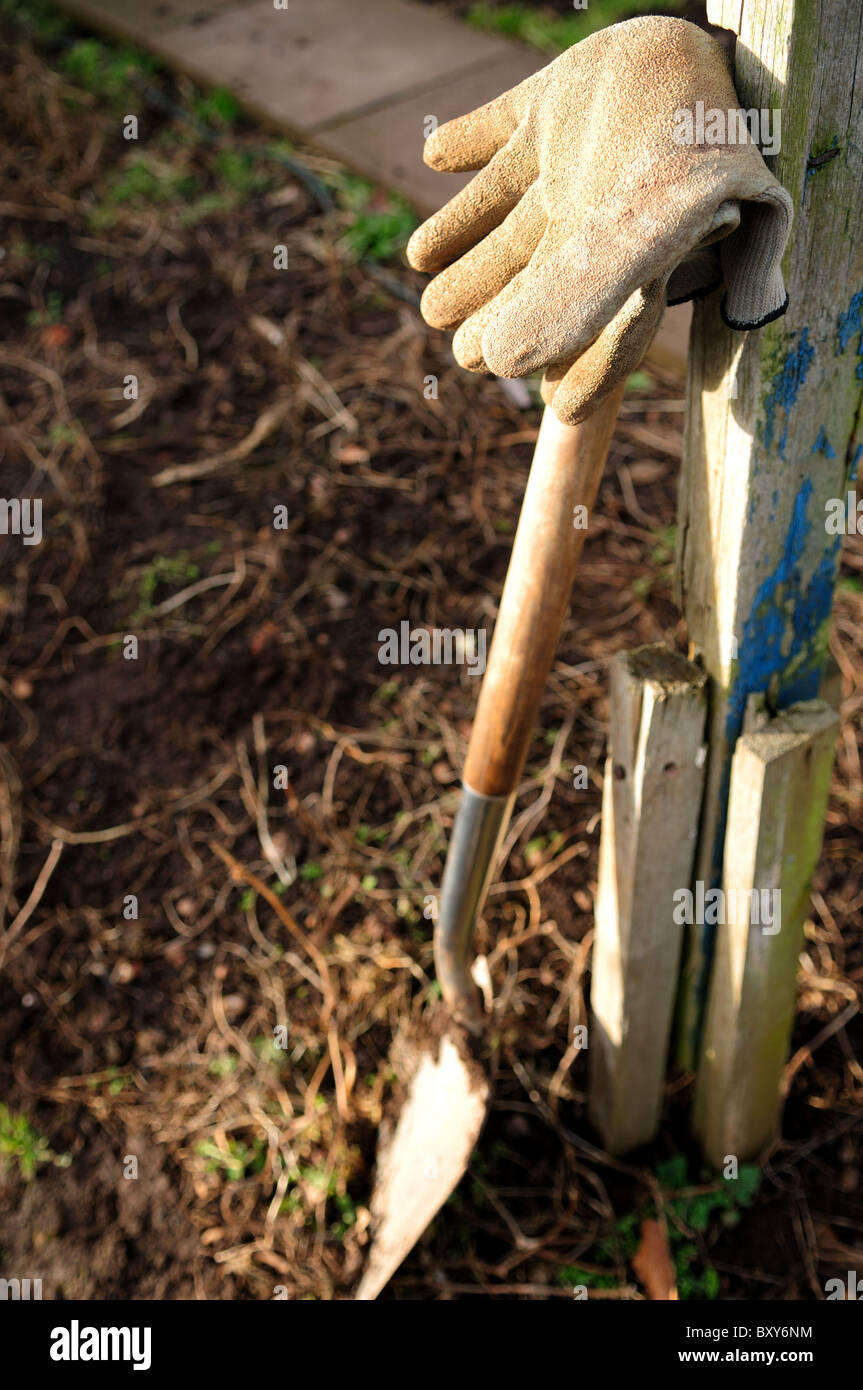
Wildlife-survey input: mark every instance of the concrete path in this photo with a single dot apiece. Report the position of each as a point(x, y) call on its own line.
point(356, 79)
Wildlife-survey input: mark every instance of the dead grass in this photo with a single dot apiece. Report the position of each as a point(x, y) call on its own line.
point(297, 902)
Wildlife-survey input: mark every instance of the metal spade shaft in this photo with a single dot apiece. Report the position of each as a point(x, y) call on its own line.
point(566, 471)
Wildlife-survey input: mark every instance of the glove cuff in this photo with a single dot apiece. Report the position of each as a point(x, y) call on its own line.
point(752, 261)
point(745, 327)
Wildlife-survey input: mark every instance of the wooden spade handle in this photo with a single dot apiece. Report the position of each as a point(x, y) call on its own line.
point(566, 471)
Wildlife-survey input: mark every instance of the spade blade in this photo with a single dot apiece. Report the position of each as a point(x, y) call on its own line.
point(424, 1156)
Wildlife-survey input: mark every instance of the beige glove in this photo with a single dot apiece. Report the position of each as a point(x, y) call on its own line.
point(588, 217)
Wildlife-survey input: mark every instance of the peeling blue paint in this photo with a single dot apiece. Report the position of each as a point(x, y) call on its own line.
point(823, 446)
point(786, 385)
point(783, 608)
point(849, 323)
point(770, 618)
point(855, 464)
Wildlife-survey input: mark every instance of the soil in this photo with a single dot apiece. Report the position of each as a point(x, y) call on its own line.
point(273, 803)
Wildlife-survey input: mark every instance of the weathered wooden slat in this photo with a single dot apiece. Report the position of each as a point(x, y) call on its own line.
point(775, 417)
point(651, 800)
point(780, 781)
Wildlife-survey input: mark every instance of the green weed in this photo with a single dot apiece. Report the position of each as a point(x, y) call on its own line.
point(222, 1066)
point(569, 1275)
point(237, 1161)
point(20, 1143)
point(696, 1211)
point(52, 313)
point(239, 171)
point(326, 1183)
point(639, 381)
point(144, 181)
point(164, 570)
point(28, 251)
point(663, 551)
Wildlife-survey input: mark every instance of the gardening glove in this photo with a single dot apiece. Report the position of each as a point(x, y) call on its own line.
point(589, 215)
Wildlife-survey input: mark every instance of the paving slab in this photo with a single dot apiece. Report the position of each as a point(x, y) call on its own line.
point(310, 65)
point(143, 20)
point(387, 144)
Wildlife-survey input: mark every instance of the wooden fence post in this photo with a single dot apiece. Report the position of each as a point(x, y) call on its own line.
point(780, 780)
point(774, 417)
point(650, 802)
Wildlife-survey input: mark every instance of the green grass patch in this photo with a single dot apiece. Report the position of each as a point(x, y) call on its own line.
point(107, 71)
point(380, 224)
point(216, 108)
point(548, 31)
point(38, 19)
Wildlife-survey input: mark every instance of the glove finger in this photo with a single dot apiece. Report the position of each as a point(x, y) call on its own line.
point(467, 344)
point(467, 340)
point(470, 141)
point(565, 303)
point(574, 389)
point(481, 273)
point(476, 209)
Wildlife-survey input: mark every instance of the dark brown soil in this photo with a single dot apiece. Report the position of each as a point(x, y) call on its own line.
point(151, 1038)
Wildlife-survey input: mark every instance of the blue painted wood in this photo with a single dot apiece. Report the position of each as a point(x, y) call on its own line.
point(774, 417)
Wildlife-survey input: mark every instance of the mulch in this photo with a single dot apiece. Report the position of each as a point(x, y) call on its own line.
point(275, 801)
